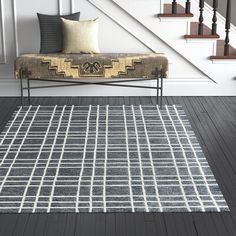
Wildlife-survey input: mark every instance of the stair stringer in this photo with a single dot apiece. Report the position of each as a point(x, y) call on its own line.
point(175, 85)
point(171, 33)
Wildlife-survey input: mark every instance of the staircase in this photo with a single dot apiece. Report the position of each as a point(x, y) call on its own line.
point(191, 32)
point(198, 30)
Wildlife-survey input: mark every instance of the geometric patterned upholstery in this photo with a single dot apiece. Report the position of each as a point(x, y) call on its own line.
point(77, 66)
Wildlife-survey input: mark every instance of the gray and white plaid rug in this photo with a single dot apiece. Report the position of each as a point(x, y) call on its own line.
point(104, 159)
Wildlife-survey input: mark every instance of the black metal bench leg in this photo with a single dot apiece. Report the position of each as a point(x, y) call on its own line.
point(161, 88)
point(157, 90)
point(28, 87)
point(21, 92)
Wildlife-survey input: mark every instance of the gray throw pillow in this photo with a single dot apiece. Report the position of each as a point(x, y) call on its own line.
point(51, 31)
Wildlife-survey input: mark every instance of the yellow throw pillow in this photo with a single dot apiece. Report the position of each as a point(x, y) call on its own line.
point(80, 36)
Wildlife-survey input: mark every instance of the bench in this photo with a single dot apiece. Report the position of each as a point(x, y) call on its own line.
point(109, 69)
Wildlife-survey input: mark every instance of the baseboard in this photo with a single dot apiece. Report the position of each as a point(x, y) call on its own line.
point(174, 86)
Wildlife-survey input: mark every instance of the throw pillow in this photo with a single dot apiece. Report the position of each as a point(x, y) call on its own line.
point(51, 31)
point(80, 36)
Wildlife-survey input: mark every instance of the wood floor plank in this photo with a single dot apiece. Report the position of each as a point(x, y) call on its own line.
point(160, 224)
point(110, 224)
point(55, 224)
point(120, 224)
point(219, 224)
point(31, 224)
point(150, 228)
point(139, 224)
point(21, 223)
point(171, 226)
point(41, 224)
point(85, 224)
point(8, 223)
point(69, 229)
point(100, 225)
point(130, 224)
point(229, 223)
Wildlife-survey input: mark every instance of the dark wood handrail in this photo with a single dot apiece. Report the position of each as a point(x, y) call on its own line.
point(227, 28)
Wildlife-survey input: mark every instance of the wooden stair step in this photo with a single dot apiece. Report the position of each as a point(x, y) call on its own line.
point(220, 51)
point(194, 32)
point(180, 11)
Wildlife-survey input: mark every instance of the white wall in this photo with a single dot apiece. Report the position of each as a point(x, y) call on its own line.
point(19, 33)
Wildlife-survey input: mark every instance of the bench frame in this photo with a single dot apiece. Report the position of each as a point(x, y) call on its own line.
point(158, 75)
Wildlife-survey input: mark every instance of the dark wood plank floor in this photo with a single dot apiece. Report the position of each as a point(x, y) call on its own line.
point(214, 121)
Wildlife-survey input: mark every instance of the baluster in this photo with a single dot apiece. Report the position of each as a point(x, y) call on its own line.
point(227, 28)
point(200, 25)
point(174, 7)
point(214, 19)
point(188, 7)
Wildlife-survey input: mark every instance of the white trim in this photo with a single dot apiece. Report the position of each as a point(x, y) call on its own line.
point(161, 6)
point(3, 36)
point(174, 19)
point(223, 61)
point(15, 27)
point(200, 40)
point(72, 6)
point(59, 7)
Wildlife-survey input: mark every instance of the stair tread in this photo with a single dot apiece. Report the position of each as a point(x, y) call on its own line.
point(206, 32)
point(180, 11)
point(220, 51)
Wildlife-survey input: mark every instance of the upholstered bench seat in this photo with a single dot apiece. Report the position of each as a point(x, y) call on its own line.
point(80, 66)
point(108, 69)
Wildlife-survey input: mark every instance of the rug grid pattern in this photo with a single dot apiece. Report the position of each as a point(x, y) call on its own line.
point(104, 159)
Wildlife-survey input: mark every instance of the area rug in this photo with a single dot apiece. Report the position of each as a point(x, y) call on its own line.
point(104, 159)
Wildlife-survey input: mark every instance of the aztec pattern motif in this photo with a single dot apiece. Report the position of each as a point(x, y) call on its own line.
point(75, 66)
point(104, 159)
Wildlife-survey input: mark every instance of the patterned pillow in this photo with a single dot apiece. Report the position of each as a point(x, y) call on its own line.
point(51, 31)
